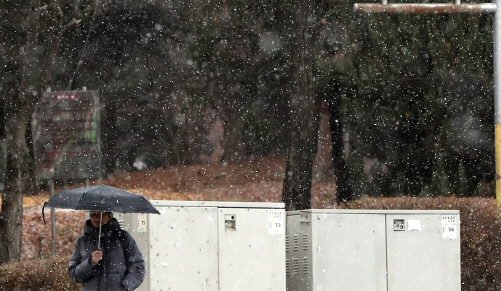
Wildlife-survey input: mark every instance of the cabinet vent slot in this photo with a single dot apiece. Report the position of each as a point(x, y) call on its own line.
point(295, 262)
point(295, 243)
point(306, 242)
point(306, 265)
point(287, 268)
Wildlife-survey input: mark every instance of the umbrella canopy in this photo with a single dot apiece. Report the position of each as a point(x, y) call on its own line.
point(101, 198)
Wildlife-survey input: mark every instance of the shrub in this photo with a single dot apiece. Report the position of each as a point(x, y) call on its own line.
point(39, 275)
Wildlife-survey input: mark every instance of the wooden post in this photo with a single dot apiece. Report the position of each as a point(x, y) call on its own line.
point(53, 220)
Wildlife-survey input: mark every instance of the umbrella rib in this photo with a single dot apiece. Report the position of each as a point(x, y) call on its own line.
point(80, 200)
point(119, 204)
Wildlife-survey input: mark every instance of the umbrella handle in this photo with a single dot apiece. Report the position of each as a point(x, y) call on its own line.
point(43, 213)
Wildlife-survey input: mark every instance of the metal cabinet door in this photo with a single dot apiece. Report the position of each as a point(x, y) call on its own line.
point(348, 252)
point(251, 249)
point(183, 249)
point(423, 252)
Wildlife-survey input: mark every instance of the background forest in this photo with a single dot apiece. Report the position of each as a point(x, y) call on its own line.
point(191, 81)
point(408, 98)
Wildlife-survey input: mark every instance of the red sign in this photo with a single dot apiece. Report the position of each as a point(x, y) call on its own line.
point(66, 97)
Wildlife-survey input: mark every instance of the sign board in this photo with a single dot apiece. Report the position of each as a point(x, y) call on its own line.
point(66, 135)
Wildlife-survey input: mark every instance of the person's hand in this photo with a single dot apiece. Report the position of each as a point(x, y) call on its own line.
point(96, 257)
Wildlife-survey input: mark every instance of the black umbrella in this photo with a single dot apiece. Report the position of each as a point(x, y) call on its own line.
point(100, 198)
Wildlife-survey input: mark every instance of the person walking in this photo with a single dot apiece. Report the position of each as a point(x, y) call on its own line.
point(116, 265)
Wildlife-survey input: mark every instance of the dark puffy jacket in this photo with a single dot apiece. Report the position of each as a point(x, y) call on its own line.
point(122, 266)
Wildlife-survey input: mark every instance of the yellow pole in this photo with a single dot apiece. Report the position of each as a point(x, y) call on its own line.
point(497, 138)
point(497, 100)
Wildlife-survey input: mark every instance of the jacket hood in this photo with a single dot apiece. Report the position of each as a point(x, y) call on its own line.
point(112, 225)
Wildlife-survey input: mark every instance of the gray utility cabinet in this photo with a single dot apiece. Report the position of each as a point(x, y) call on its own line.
point(360, 250)
point(211, 246)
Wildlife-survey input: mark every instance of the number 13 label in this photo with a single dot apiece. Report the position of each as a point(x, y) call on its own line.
point(276, 222)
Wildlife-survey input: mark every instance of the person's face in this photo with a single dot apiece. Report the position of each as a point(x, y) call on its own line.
point(95, 218)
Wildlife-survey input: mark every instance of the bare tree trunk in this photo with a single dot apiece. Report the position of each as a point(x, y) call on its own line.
point(232, 144)
point(344, 190)
point(304, 122)
point(12, 197)
point(233, 148)
point(30, 71)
